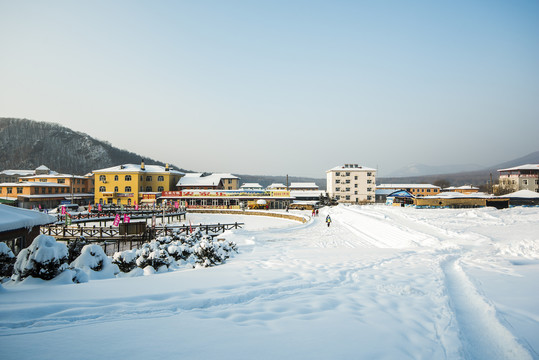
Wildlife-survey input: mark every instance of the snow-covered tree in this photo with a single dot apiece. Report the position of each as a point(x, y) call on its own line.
point(7, 260)
point(44, 258)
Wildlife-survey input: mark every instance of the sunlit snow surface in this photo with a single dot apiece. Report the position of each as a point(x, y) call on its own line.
point(380, 283)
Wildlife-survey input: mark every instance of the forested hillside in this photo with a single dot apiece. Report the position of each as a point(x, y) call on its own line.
point(27, 144)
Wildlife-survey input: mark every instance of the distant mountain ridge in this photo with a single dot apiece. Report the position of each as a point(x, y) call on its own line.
point(27, 144)
point(477, 177)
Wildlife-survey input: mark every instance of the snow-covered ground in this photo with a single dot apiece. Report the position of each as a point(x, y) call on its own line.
point(380, 283)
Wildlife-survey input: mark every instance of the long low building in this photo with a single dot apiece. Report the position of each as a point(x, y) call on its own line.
point(230, 199)
point(414, 189)
point(459, 200)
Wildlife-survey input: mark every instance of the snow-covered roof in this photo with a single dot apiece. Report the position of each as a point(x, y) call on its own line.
point(54, 176)
point(351, 167)
point(251, 186)
point(17, 172)
point(35, 184)
point(453, 195)
point(136, 168)
point(303, 185)
point(196, 179)
point(12, 218)
point(522, 194)
point(464, 187)
point(276, 186)
point(42, 167)
point(407, 186)
point(522, 167)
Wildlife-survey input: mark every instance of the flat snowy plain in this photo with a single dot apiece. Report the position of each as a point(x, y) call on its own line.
point(380, 283)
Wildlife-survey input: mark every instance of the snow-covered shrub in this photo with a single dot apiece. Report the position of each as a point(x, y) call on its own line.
point(7, 260)
point(44, 258)
point(153, 255)
point(179, 250)
point(125, 260)
point(209, 252)
point(95, 263)
point(75, 247)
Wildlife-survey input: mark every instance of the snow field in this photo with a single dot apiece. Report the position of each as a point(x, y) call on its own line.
point(381, 282)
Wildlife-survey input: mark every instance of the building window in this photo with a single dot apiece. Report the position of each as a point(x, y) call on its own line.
point(230, 181)
point(369, 189)
point(337, 181)
point(369, 197)
point(128, 189)
point(347, 197)
point(160, 178)
point(338, 189)
point(355, 192)
point(428, 190)
point(63, 190)
point(347, 174)
point(160, 188)
point(348, 181)
point(338, 197)
point(369, 181)
point(78, 181)
point(347, 189)
point(42, 180)
point(116, 189)
point(61, 181)
point(355, 177)
point(337, 174)
point(148, 188)
point(19, 190)
point(102, 189)
point(115, 177)
point(56, 190)
point(355, 185)
point(43, 190)
point(369, 174)
point(102, 178)
point(524, 182)
point(128, 178)
point(50, 190)
point(148, 178)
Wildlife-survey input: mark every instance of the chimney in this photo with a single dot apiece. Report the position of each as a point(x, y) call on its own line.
point(166, 167)
point(142, 165)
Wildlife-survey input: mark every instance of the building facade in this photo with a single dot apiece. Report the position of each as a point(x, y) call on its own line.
point(414, 189)
point(199, 181)
point(523, 177)
point(131, 184)
point(352, 184)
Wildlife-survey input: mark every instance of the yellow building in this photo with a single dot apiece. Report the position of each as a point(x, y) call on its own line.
point(466, 189)
point(131, 184)
point(414, 189)
point(34, 194)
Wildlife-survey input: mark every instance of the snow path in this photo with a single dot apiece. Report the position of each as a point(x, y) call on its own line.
point(483, 336)
point(380, 282)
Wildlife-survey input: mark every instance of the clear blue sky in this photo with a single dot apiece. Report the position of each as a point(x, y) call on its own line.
point(280, 87)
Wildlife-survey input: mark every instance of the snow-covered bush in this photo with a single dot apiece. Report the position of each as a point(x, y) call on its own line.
point(75, 247)
point(44, 258)
point(95, 263)
point(168, 252)
point(153, 255)
point(209, 252)
point(7, 260)
point(125, 260)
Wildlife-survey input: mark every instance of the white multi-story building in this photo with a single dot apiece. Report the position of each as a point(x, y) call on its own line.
point(523, 177)
point(352, 184)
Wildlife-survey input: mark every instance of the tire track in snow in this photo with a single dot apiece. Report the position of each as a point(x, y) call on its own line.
point(482, 334)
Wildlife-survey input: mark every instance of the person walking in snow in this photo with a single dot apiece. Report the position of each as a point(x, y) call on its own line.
point(328, 220)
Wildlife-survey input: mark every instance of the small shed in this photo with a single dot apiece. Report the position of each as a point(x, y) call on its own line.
point(19, 227)
point(400, 198)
